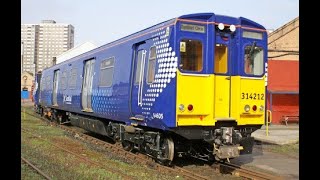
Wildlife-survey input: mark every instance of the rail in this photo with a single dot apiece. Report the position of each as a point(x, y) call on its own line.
point(35, 168)
point(136, 158)
point(244, 172)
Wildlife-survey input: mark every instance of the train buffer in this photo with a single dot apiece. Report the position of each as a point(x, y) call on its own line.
point(290, 118)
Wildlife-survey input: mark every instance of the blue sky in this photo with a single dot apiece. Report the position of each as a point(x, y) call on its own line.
point(103, 21)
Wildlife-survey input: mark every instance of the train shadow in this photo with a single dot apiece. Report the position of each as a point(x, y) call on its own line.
point(258, 150)
point(189, 161)
point(101, 137)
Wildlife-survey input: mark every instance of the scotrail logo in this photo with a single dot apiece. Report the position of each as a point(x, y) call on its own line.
point(67, 99)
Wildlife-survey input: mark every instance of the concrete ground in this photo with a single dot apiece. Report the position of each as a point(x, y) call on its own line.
point(281, 164)
point(278, 134)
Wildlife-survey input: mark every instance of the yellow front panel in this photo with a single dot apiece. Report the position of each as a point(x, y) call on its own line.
point(247, 91)
point(198, 91)
point(215, 97)
point(222, 96)
point(235, 97)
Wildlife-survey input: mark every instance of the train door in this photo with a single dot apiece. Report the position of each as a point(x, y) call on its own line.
point(86, 93)
point(139, 80)
point(36, 93)
point(55, 87)
point(42, 88)
point(223, 72)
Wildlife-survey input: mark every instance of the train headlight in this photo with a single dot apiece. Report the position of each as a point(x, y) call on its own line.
point(181, 107)
point(247, 108)
point(232, 28)
point(261, 108)
point(221, 26)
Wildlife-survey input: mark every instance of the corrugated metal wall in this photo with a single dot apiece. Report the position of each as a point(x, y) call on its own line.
point(283, 79)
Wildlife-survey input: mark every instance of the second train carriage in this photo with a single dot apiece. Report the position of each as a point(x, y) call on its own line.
point(193, 85)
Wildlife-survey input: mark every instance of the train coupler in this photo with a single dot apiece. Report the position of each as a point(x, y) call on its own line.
point(226, 152)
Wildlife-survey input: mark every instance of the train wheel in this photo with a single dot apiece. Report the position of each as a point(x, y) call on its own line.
point(128, 146)
point(167, 151)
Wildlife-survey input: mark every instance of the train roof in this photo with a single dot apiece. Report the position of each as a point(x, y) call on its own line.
point(223, 18)
point(195, 16)
point(114, 42)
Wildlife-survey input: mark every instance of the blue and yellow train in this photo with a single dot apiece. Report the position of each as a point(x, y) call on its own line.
point(190, 86)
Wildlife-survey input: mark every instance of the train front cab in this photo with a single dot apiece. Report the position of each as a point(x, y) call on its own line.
point(221, 82)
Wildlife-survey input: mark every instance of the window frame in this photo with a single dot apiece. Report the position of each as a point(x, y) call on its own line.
point(48, 82)
point(135, 76)
point(180, 59)
point(43, 84)
point(100, 72)
point(64, 79)
point(214, 60)
point(75, 83)
point(259, 45)
point(155, 64)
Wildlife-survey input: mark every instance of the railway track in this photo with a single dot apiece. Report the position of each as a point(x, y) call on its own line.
point(35, 168)
point(116, 149)
point(77, 155)
point(225, 168)
point(243, 172)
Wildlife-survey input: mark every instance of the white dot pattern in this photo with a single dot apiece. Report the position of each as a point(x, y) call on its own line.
point(167, 64)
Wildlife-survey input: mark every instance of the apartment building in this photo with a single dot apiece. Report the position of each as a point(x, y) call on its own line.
point(41, 42)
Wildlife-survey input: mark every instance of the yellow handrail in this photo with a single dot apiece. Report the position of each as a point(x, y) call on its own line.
point(269, 116)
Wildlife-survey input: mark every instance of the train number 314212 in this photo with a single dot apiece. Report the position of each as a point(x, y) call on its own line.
point(252, 96)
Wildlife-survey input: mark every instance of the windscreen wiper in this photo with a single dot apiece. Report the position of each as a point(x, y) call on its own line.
point(251, 52)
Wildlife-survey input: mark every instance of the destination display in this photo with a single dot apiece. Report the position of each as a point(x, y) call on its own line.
point(193, 28)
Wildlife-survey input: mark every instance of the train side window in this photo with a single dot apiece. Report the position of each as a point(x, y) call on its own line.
point(221, 58)
point(106, 72)
point(48, 82)
point(138, 67)
point(42, 84)
point(191, 54)
point(253, 60)
point(152, 64)
point(64, 80)
point(73, 78)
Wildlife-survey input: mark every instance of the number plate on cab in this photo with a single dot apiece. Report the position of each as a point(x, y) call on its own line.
point(254, 96)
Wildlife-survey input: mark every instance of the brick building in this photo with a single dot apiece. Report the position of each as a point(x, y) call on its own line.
point(283, 71)
point(27, 80)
